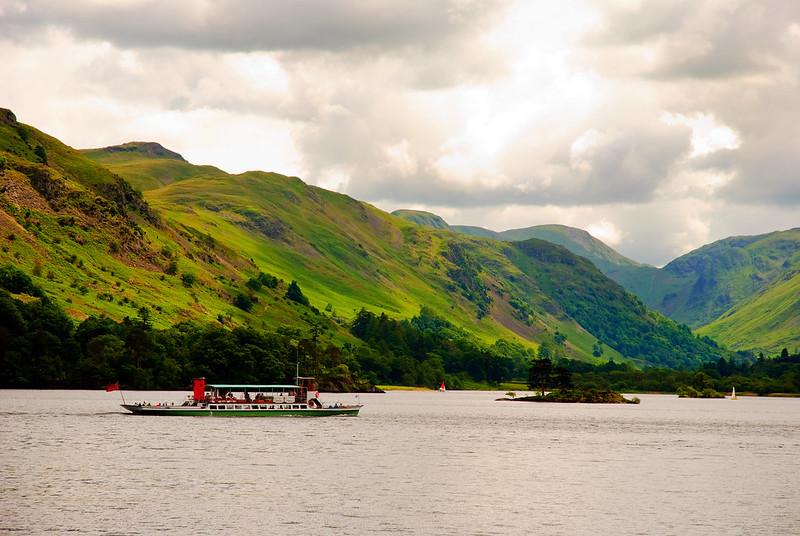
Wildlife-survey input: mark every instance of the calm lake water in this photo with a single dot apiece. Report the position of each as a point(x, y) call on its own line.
point(411, 463)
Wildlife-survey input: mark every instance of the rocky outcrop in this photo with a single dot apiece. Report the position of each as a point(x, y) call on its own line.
point(7, 117)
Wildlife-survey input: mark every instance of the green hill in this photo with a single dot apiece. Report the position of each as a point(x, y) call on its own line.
point(421, 217)
point(576, 240)
point(188, 247)
point(740, 288)
point(767, 322)
point(147, 165)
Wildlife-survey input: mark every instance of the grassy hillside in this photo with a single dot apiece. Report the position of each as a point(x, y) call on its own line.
point(187, 248)
point(740, 288)
point(767, 322)
point(576, 240)
point(421, 217)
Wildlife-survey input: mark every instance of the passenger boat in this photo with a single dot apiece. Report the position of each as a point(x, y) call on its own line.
point(246, 400)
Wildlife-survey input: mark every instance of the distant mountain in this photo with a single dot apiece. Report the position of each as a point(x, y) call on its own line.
point(186, 248)
point(699, 287)
point(740, 288)
point(576, 240)
point(477, 231)
point(421, 217)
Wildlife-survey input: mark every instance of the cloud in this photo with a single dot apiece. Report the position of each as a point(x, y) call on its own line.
point(645, 121)
point(252, 25)
point(696, 40)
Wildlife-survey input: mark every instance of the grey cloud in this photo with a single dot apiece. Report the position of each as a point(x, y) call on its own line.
point(626, 167)
point(249, 25)
point(765, 168)
point(711, 39)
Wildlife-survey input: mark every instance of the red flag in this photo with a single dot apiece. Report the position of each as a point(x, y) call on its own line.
point(112, 387)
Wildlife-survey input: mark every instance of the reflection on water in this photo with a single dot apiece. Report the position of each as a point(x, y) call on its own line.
point(412, 463)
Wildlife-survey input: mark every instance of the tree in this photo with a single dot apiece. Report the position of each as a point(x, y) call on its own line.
point(254, 284)
point(41, 152)
point(563, 377)
point(540, 375)
point(268, 280)
point(15, 280)
point(597, 349)
point(785, 354)
point(546, 350)
point(145, 317)
point(243, 301)
point(295, 294)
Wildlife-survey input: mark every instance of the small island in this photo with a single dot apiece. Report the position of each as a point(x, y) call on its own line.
point(577, 396)
point(543, 375)
point(687, 391)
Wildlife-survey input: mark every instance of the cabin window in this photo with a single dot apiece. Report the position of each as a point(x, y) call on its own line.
point(213, 407)
point(237, 406)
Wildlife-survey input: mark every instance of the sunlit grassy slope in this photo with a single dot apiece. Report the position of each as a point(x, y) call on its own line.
point(754, 273)
point(768, 322)
point(188, 251)
point(698, 287)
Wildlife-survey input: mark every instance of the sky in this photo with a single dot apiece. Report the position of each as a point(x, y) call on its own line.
point(656, 126)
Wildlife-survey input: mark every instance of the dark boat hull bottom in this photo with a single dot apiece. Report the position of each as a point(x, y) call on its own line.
point(184, 411)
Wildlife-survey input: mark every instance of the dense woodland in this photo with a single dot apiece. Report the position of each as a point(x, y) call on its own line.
point(762, 375)
point(41, 346)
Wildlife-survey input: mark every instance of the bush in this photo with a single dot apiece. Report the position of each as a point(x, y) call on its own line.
point(243, 301)
point(41, 152)
point(172, 267)
point(295, 294)
point(188, 279)
point(15, 280)
point(262, 280)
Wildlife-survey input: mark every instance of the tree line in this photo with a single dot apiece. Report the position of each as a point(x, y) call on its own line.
point(41, 346)
point(762, 375)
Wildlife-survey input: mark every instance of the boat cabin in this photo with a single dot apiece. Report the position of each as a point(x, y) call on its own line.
point(263, 394)
point(280, 395)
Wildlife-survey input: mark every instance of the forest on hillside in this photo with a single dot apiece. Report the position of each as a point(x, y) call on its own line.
point(42, 347)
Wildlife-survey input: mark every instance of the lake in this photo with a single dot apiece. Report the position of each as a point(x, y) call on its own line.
point(411, 463)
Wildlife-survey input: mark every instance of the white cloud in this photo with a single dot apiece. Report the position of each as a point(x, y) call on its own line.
point(645, 122)
point(708, 135)
point(605, 231)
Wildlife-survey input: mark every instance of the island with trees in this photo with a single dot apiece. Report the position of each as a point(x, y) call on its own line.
point(543, 375)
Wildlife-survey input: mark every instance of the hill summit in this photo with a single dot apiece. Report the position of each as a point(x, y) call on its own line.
point(7, 117)
point(146, 148)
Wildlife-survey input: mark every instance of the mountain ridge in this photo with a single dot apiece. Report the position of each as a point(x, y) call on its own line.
point(702, 288)
point(212, 231)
